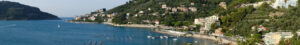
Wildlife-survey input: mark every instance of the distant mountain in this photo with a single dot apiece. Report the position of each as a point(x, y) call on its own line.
point(16, 11)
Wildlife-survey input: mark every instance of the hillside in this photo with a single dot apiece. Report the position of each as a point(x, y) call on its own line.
point(250, 19)
point(182, 12)
point(16, 11)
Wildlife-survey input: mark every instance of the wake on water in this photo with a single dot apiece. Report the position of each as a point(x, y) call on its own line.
point(12, 25)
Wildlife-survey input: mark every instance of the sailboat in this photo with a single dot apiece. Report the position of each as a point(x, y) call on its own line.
point(58, 26)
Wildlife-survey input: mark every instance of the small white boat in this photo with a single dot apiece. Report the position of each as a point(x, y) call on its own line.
point(195, 41)
point(149, 36)
point(175, 39)
point(153, 37)
point(161, 37)
point(166, 37)
point(58, 26)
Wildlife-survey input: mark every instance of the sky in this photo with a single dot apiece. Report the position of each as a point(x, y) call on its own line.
point(71, 8)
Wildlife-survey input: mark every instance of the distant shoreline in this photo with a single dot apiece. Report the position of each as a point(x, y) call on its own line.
point(130, 25)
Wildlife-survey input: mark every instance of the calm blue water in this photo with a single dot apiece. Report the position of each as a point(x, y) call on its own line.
point(46, 32)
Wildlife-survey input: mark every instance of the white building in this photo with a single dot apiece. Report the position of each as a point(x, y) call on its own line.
point(223, 5)
point(77, 18)
point(284, 3)
point(164, 6)
point(111, 15)
point(182, 9)
point(174, 9)
point(141, 12)
point(149, 9)
point(273, 38)
point(193, 9)
point(135, 15)
point(156, 22)
point(192, 4)
point(210, 20)
point(95, 14)
point(199, 21)
point(127, 15)
point(92, 18)
point(206, 22)
point(257, 4)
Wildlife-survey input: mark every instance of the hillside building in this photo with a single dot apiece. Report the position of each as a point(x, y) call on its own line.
point(183, 9)
point(92, 18)
point(164, 6)
point(284, 3)
point(206, 22)
point(223, 5)
point(273, 38)
point(193, 9)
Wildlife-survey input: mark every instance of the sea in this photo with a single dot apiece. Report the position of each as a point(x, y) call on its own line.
point(62, 32)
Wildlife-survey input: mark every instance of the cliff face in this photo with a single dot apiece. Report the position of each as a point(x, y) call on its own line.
point(16, 11)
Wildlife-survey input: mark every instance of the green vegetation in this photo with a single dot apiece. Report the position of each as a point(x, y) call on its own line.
point(179, 18)
point(16, 11)
point(241, 24)
point(238, 2)
point(120, 19)
point(235, 20)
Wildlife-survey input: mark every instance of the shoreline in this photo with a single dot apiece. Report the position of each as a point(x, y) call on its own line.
point(80, 22)
point(130, 25)
point(219, 40)
point(199, 36)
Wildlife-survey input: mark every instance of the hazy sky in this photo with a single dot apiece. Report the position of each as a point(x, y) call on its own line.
point(71, 8)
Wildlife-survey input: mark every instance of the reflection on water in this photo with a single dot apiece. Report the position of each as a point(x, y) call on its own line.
point(48, 33)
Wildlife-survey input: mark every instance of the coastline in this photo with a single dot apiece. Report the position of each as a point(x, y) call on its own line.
point(220, 40)
point(80, 22)
point(130, 25)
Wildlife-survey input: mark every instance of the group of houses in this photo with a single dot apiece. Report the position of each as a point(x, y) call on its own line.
point(276, 4)
point(259, 28)
point(206, 22)
point(181, 8)
point(91, 16)
point(164, 6)
point(284, 3)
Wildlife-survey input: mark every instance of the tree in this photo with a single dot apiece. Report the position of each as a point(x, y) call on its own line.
point(99, 20)
point(119, 19)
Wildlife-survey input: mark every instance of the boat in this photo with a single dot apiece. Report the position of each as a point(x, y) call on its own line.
point(58, 26)
point(175, 39)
